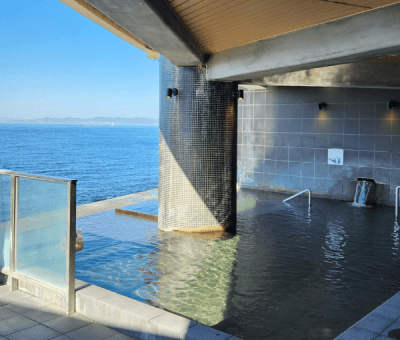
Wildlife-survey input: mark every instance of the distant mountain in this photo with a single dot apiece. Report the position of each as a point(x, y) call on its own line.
point(85, 121)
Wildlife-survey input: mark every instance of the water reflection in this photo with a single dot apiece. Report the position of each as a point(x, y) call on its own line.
point(245, 201)
point(287, 274)
point(335, 241)
point(193, 274)
point(395, 236)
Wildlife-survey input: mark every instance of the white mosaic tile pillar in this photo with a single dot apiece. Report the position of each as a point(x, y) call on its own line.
point(198, 146)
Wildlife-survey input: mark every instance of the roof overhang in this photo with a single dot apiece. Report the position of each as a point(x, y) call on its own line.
point(158, 27)
point(150, 25)
point(352, 39)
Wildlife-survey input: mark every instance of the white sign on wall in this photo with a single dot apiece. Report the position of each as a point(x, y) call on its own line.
point(335, 156)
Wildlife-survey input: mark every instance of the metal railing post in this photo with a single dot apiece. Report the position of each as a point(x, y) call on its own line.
point(13, 225)
point(71, 239)
point(298, 194)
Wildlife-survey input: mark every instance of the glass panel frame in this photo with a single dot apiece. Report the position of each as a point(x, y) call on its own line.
point(5, 220)
point(69, 240)
point(41, 231)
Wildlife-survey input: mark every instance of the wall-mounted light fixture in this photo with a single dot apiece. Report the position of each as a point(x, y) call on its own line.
point(392, 104)
point(239, 94)
point(322, 105)
point(172, 92)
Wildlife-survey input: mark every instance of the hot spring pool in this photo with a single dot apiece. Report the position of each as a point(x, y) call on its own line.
point(286, 274)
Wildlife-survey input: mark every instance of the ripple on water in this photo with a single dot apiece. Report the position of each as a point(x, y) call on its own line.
point(287, 274)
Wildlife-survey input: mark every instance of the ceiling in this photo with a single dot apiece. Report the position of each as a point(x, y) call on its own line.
point(218, 25)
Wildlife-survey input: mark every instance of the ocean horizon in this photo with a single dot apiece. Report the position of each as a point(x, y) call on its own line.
point(107, 160)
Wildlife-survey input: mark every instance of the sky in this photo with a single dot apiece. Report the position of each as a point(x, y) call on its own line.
point(56, 63)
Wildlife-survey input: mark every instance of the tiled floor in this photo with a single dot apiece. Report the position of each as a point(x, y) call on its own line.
point(24, 317)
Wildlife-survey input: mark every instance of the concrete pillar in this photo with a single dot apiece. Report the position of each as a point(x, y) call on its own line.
point(198, 147)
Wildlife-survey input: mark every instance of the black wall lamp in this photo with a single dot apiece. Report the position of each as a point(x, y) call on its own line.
point(239, 94)
point(322, 105)
point(392, 104)
point(172, 92)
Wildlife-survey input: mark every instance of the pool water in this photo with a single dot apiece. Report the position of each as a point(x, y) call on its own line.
point(288, 273)
point(148, 207)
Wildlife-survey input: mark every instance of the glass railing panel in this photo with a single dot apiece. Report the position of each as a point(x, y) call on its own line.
point(41, 230)
point(5, 213)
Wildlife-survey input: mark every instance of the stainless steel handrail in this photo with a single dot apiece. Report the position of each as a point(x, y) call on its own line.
point(397, 203)
point(302, 192)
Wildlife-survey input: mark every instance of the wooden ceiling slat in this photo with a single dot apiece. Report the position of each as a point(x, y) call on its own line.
point(369, 3)
point(258, 34)
point(176, 3)
point(232, 18)
point(313, 11)
point(252, 6)
point(220, 6)
point(192, 3)
point(239, 37)
point(226, 4)
point(218, 25)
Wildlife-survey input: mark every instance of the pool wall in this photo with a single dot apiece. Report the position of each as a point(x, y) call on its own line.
point(283, 140)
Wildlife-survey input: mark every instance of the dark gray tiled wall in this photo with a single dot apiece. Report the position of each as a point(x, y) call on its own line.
point(283, 140)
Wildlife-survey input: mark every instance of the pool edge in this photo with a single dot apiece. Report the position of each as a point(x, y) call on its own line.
point(377, 323)
point(138, 319)
point(128, 316)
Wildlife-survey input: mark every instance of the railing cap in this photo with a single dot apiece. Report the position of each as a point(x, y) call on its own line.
point(38, 177)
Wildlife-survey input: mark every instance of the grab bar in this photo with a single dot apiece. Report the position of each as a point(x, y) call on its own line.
point(397, 202)
point(309, 197)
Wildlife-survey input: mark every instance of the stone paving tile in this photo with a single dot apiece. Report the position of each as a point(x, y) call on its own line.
point(357, 333)
point(34, 333)
point(200, 332)
point(6, 313)
point(374, 323)
point(27, 305)
point(61, 337)
point(4, 289)
point(388, 311)
point(15, 324)
point(94, 331)
point(172, 325)
point(395, 325)
point(120, 336)
point(68, 323)
point(11, 297)
point(45, 313)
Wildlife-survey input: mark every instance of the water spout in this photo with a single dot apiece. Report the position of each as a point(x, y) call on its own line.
point(365, 191)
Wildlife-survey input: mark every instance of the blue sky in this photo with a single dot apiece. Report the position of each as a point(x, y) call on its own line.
point(56, 63)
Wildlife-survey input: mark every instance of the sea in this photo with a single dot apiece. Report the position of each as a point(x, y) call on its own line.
point(108, 161)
